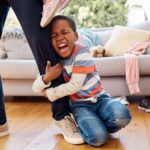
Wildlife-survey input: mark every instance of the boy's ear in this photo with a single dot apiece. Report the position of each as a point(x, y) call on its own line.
point(76, 35)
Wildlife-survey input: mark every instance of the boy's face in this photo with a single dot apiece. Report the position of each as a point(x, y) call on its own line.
point(63, 38)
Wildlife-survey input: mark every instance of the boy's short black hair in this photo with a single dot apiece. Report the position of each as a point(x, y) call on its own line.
point(62, 17)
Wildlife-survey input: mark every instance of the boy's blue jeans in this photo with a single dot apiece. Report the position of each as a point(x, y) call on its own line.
point(2, 107)
point(97, 120)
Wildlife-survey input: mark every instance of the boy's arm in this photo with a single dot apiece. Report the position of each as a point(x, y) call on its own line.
point(73, 86)
point(44, 81)
point(39, 85)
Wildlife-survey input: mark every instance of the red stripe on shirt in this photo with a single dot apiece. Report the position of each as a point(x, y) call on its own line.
point(96, 90)
point(77, 48)
point(76, 97)
point(83, 69)
point(91, 94)
point(66, 78)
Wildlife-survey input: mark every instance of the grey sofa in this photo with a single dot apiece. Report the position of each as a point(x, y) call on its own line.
point(19, 70)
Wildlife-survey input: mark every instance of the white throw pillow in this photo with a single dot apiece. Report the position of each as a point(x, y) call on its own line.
point(122, 38)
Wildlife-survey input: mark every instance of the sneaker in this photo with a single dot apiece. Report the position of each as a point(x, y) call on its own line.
point(49, 10)
point(144, 105)
point(68, 129)
point(4, 129)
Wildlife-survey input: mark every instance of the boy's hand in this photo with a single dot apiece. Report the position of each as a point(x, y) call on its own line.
point(52, 72)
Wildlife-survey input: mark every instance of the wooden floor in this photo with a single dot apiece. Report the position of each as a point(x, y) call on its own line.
point(31, 128)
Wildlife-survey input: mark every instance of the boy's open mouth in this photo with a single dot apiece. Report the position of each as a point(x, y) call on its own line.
point(62, 47)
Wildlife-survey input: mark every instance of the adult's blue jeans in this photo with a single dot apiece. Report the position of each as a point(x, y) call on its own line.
point(97, 120)
point(2, 106)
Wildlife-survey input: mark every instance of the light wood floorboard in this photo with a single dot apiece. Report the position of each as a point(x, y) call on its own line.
point(31, 128)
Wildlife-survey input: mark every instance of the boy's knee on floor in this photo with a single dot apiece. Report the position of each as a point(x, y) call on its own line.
point(122, 118)
point(122, 122)
point(97, 140)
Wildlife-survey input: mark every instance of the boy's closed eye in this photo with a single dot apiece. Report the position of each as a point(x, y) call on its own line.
point(64, 32)
point(56, 35)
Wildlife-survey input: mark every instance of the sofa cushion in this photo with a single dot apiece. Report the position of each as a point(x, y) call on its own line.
point(122, 38)
point(3, 54)
point(103, 33)
point(88, 38)
point(115, 66)
point(18, 69)
point(20, 53)
point(16, 44)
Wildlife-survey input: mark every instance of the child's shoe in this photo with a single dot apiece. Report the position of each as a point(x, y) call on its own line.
point(144, 105)
point(68, 129)
point(49, 9)
point(4, 129)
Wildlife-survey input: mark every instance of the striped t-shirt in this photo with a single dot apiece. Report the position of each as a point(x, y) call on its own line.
point(81, 62)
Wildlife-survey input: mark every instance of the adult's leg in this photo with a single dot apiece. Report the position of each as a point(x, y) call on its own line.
point(113, 114)
point(29, 15)
point(4, 7)
point(4, 129)
point(90, 125)
point(3, 119)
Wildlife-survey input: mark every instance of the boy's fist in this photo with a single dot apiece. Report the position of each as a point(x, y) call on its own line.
point(52, 72)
